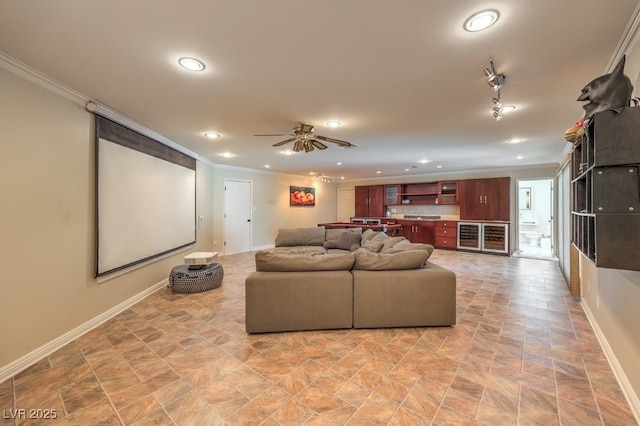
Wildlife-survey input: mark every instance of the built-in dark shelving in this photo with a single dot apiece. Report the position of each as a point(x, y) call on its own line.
point(606, 190)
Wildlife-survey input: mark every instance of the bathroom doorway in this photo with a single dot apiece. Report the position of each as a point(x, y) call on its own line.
point(535, 219)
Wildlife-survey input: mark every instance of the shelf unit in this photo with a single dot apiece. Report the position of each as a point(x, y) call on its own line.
point(419, 193)
point(605, 205)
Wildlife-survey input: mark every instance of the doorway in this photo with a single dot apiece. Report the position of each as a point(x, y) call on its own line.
point(535, 219)
point(237, 216)
point(346, 204)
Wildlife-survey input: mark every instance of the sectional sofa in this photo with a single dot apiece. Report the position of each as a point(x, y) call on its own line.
point(317, 278)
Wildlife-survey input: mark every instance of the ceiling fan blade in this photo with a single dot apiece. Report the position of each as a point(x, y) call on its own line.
point(275, 134)
point(318, 144)
point(332, 140)
point(286, 141)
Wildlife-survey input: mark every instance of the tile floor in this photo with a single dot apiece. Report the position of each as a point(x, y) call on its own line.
point(522, 352)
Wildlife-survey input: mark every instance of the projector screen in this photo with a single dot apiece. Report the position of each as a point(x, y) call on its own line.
point(146, 198)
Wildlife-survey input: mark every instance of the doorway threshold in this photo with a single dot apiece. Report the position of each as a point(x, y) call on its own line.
point(535, 255)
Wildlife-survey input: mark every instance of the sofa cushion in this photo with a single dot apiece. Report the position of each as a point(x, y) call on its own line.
point(298, 250)
point(408, 259)
point(345, 241)
point(270, 261)
point(312, 236)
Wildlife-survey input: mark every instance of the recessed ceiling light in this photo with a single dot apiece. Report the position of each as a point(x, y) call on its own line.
point(379, 171)
point(212, 135)
point(334, 123)
point(342, 177)
point(287, 152)
point(226, 155)
point(515, 140)
point(423, 161)
point(407, 169)
point(507, 109)
point(481, 20)
point(519, 157)
point(266, 166)
point(192, 64)
point(438, 167)
point(339, 164)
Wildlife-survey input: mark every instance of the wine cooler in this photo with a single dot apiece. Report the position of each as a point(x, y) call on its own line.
point(486, 237)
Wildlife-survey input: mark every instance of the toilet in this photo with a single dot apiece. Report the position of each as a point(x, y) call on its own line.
point(534, 238)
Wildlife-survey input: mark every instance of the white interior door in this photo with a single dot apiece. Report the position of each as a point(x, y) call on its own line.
point(346, 204)
point(237, 216)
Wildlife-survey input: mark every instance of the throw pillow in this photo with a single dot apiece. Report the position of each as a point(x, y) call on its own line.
point(368, 235)
point(333, 234)
point(345, 241)
point(390, 242)
point(380, 236)
point(408, 245)
point(374, 246)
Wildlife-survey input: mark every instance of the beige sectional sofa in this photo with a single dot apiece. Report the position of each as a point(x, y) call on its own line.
point(317, 278)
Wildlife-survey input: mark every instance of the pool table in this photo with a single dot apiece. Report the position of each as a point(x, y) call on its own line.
point(391, 228)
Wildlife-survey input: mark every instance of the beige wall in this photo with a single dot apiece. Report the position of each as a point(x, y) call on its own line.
point(47, 218)
point(271, 209)
point(47, 232)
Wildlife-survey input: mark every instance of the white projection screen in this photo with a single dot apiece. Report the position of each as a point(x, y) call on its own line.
point(146, 198)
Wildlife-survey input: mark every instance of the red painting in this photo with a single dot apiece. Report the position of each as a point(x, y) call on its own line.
point(301, 196)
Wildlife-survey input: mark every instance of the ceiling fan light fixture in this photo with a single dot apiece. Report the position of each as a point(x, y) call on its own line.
point(191, 64)
point(481, 20)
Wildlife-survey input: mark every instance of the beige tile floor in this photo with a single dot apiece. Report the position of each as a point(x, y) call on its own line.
point(522, 352)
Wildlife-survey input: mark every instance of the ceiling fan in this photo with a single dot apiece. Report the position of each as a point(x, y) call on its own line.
point(305, 139)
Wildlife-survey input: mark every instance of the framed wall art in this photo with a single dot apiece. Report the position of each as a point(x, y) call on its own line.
point(302, 196)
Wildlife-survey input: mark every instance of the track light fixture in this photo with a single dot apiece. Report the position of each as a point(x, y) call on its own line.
point(321, 178)
point(496, 81)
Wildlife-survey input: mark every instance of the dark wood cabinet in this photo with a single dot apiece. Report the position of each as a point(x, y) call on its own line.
point(605, 205)
point(369, 201)
point(448, 192)
point(391, 195)
point(484, 199)
point(418, 231)
point(446, 233)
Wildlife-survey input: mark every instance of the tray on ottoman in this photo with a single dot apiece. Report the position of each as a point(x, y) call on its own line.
point(185, 280)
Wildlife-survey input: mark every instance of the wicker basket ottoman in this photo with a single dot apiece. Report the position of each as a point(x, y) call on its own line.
point(185, 280)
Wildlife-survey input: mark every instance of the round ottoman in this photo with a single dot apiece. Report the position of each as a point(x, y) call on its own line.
point(185, 280)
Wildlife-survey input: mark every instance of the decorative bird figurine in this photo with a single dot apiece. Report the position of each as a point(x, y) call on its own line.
point(573, 134)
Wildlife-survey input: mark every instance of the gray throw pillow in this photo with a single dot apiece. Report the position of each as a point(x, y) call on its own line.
point(345, 241)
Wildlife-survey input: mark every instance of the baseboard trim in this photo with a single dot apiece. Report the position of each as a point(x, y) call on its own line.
point(36, 355)
point(623, 381)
